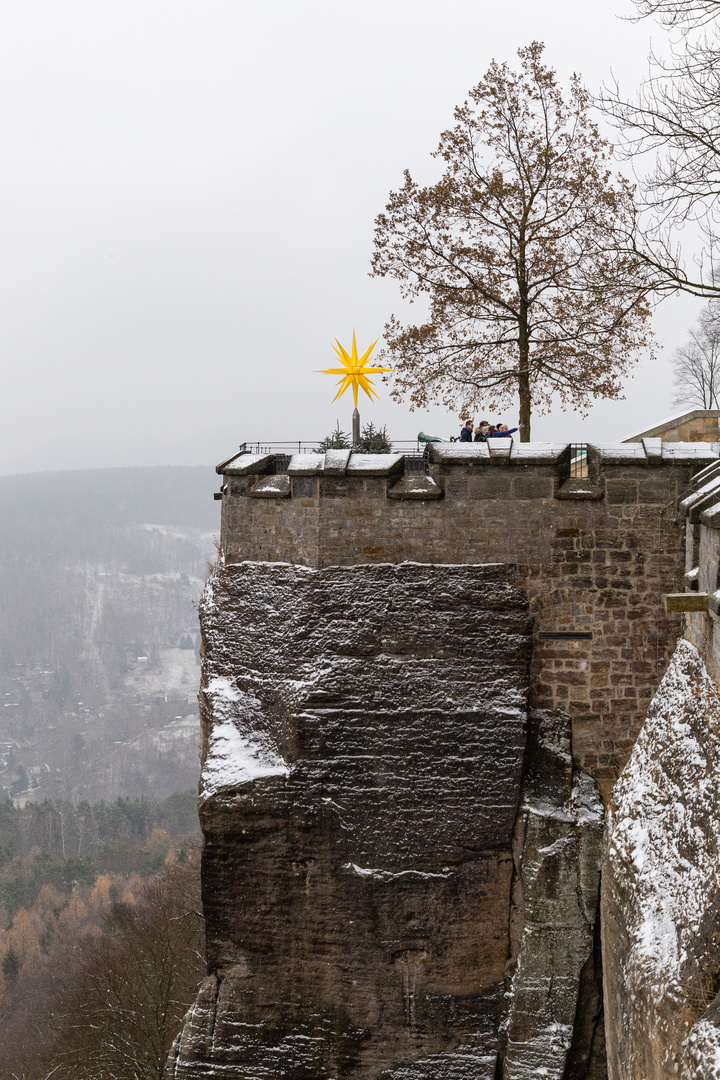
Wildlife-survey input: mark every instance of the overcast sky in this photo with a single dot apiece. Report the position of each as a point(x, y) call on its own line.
point(187, 195)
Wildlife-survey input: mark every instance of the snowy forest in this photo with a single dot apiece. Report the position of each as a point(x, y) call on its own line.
point(100, 572)
point(99, 575)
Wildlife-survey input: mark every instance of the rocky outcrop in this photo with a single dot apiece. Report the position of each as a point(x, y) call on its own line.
point(661, 887)
point(365, 729)
point(366, 875)
point(555, 993)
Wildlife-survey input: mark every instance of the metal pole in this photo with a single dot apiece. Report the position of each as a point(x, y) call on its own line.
point(355, 428)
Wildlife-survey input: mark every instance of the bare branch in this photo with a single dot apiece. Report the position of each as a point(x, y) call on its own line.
point(697, 363)
point(673, 125)
point(517, 249)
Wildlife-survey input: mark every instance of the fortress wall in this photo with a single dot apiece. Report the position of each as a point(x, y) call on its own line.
point(402, 852)
point(661, 886)
point(598, 565)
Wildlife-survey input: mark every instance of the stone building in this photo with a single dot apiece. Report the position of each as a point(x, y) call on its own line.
point(697, 425)
point(418, 692)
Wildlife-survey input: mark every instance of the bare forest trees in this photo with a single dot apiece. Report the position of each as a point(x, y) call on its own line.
point(515, 249)
point(674, 122)
point(697, 363)
point(679, 13)
point(117, 1015)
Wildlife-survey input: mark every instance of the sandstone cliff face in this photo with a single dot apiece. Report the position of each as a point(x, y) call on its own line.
point(365, 730)
point(554, 1026)
point(661, 888)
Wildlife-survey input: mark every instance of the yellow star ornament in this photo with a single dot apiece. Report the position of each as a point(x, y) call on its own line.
point(354, 372)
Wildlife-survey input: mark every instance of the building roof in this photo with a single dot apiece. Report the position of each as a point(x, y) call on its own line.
point(672, 422)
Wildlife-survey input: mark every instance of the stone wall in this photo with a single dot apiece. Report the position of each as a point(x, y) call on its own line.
point(405, 678)
point(595, 555)
point(698, 429)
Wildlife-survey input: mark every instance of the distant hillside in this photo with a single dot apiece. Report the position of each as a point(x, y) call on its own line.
point(99, 574)
point(164, 494)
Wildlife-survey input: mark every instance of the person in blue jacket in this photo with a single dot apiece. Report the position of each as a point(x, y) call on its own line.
point(483, 432)
point(466, 431)
point(503, 432)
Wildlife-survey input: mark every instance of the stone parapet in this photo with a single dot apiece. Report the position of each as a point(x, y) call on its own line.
point(595, 567)
point(443, 456)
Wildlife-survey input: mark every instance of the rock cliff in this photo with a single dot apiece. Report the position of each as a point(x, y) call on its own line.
point(661, 887)
point(376, 906)
point(554, 1025)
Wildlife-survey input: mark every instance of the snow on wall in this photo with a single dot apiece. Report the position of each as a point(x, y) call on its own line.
point(661, 885)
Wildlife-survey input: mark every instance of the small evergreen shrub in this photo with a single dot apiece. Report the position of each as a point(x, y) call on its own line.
point(372, 441)
point(337, 441)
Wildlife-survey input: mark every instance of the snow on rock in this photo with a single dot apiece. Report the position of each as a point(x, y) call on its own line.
point(661, 886)
point(235, 756)
point(388, 875)
point(376, 464)
point(702, 1053)
point(364, 729)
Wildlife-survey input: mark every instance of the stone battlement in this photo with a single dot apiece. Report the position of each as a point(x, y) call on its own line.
point(558, 457)
point(595, 554)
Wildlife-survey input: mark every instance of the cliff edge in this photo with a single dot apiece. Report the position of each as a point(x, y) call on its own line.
point(374, 901)
point(661, 887)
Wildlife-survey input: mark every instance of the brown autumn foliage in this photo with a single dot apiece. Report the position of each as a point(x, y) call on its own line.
point(40, 948)
point(516, 249)
point(104, 978)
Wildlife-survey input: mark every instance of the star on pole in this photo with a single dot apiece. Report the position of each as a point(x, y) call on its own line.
point(354, 371)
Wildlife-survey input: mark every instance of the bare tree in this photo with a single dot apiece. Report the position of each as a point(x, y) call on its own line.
point(515, 247)
point(697, 363)
point(117, 1017)
point(674, 124)
point(683, 14)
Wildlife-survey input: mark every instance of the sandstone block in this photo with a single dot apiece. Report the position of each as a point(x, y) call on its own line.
point(362, 770)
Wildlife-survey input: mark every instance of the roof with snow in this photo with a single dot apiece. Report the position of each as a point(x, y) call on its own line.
point(670, 423)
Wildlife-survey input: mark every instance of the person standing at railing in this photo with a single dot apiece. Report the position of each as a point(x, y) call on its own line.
point(466, 431)
point(483, 431)
point(503, 432)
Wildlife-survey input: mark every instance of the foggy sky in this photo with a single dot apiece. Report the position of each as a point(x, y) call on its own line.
point(187, 195)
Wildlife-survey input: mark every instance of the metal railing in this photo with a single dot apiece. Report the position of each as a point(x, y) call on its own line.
point(578, 460)
point(280, 463)
point(417, 462)
point(288, 448)
point(303, 446)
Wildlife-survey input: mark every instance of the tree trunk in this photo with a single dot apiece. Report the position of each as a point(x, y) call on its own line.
point(524, 365)
point(524, 390)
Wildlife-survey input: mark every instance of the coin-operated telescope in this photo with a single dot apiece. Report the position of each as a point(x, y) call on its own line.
point(422, 437)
